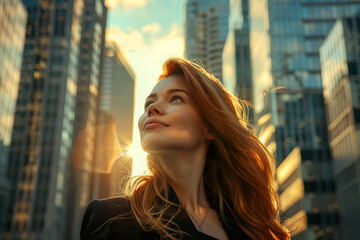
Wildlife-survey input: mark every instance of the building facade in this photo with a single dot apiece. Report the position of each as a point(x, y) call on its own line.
point(296, 31)
point(92, 46)
point(206, 28)
point(118, 92)
point(42, 135)
point(236, 61)
point(299, 119)
point(284, 40)
point(340, 66)
point(13, 17)
point(107, 150)
point(261, 73)
point(308, 203)
point(115, 121)
point(287, 60)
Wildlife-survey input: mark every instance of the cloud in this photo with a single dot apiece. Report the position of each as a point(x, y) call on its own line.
point(125, 3)
point(172, 44)
point(152, 28)
point(128, 41)
point(133, 44)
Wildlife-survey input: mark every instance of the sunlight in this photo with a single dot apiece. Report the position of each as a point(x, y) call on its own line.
point(131, 150)
point(138, 154)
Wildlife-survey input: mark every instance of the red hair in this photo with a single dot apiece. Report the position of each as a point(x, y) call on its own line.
point(237, 170)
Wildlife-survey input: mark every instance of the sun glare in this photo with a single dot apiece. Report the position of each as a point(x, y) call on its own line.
point(138, 155)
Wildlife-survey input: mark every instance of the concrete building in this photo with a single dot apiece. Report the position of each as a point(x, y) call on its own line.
point(43, 127)
point(340, 67)
point(206, 28)
point(308, 203)
point(236, 61)
point(92, 46)
point(13, 17)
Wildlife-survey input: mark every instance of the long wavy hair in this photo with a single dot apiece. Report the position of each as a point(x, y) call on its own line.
point(238, 168)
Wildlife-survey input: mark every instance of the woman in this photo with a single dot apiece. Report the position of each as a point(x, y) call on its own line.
point(210, 176)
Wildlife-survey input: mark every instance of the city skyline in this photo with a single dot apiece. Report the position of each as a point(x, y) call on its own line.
point(86, 70)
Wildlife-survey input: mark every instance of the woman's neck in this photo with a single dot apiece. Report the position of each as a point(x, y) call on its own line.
point(185, 172)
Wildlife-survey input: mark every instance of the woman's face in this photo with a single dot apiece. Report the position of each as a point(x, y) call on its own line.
point(170, 121)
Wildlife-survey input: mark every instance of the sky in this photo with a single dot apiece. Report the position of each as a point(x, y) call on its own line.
point(148, 32)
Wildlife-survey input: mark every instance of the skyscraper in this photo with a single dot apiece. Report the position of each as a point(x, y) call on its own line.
point(107, 151)
point(42, 136)
point(236, 55)
point(340, 67)
point(118, 92)
point(285, 38)
point(297, 111)
point(261, 73)
point(307, 198)
point(292, 33)
point(206, 28)
point(115, 120)
point(88, 87)
point(12, 37)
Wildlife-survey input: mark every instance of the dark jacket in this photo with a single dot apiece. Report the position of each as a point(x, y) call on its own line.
point(96, 224)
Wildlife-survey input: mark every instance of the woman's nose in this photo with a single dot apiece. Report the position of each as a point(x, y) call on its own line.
point(154, 108)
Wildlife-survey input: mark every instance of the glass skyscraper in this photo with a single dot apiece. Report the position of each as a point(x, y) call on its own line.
point(340, 66)
point(236, 60)
point(43, 126)
point(86, 112)
point(308, 201)
point(12, 36)
point(115, 122)
point(206, 28)
point(118, 92)
point(261, 73)
point(292, 32)
point(285, 37)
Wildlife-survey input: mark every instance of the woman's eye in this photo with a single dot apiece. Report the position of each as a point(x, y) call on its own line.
point(176, 99)
point(147, 104)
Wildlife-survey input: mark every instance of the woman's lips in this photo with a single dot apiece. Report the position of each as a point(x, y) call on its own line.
point(153, 125)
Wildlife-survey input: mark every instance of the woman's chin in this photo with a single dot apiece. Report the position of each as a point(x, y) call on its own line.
point(154, 148)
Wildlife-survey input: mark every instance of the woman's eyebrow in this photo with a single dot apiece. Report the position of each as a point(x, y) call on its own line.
point(178, 90)
point(173, 90)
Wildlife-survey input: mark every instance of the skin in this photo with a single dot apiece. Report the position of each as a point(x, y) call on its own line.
point(180, 145)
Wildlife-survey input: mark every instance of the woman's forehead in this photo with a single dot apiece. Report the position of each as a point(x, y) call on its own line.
point(170, 82)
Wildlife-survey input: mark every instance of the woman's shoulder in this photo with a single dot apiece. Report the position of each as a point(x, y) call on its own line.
point(109, 207)
point(109, 219)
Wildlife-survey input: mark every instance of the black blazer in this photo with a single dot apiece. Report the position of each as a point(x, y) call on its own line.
point(96, 224)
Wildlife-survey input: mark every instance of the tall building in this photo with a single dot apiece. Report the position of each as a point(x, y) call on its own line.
point(262, 81)
point(236, 61)
point(299, 118)
point(340, 67)
point(107, 151)
point(115, 120)
point(42, 136)
point(88, 87)
point(206, 28)
point(292, 32)
point(118, 92)
point(307, 196)
point(13, 17)
point(284, 40)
